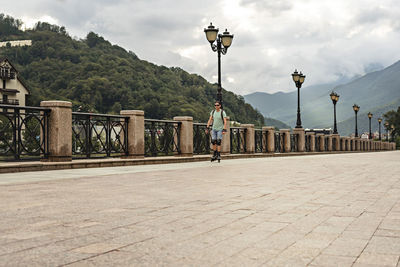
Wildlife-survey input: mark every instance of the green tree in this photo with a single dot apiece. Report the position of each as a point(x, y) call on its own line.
point(393, 119)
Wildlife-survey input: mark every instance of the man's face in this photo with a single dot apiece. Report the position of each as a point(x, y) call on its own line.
point(217, 106)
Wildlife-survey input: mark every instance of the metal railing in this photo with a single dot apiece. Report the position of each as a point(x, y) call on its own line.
point(326, 143)
point(6, 73)
point(99, 135)
point(335, 145)
point(162, 137)
point(308, 143)
point(258, 140)
point(278, 144)
point(9, 102)
point(238, 140)
point(201, 139)
point(318, 143)
point(294, 141)
point(23, 133)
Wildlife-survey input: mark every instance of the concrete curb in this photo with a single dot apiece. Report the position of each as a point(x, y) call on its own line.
point(12, 167)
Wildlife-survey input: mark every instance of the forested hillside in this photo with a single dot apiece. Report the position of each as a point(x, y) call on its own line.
point(105, 78)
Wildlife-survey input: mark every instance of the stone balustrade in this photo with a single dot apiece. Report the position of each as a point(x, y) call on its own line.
point(60, 137)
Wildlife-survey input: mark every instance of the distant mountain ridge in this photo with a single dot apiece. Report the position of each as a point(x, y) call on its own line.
point(373, 91)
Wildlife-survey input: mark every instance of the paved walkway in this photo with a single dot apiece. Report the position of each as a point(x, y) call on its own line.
point(323, 210)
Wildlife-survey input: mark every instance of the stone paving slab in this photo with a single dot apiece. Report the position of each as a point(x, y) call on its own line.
point(320, 210)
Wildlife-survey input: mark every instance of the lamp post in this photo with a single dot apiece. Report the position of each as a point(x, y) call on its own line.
point(370, 117)
point(380, 120)
point(335, 98)
point(298, 79)
point(224, 41)
point(356, 108)
point(387, 131)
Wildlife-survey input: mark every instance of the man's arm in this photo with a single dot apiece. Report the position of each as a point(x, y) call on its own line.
point(209, 122)
point(224, 125)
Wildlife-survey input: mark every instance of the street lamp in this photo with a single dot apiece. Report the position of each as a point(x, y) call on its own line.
point(335, 98)
point(356, 108)
point(380, 120)
point(370, 117)
point(298, 79)
point(224, 41)
point(387, 131)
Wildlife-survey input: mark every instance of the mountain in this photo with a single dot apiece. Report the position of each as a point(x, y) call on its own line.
point(100, 77)
point(373, 91)
point(347, 127)
point(282, 106)
point(276, 123)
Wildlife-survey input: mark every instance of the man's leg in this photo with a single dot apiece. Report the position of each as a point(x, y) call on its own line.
point(214, 142)
point(219, 142)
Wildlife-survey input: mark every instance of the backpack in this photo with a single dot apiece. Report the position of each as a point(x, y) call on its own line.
point(222, 114)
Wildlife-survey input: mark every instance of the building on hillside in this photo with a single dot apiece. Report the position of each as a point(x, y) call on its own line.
point(13, 90)
point(16, 43)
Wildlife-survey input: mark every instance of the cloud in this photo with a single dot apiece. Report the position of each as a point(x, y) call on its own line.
point(327, 40)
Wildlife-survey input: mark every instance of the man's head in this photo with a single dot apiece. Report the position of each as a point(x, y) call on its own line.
point(217, 105)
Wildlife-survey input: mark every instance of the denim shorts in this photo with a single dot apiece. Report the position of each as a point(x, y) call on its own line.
point(216, 134)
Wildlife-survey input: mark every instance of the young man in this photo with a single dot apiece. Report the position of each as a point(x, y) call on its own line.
point(218, 120)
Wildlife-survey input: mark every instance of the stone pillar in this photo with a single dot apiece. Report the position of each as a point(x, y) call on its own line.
point(250, 140)
point(226, 138)
point(301, 139)
point(270, 138)
point(311, 137)
point(348, 144)
point(336, 137)
point(321, 142)
point(135, 132)
point(186, 135)
point(60, 130)
point(285, 134)
point(330, 145)
point(342, 141)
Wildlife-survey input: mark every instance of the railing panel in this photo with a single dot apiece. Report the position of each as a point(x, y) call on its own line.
point(162, 138)
point(326, 143)
point(23, 133)
point(308, 143)
point(294, 138)
point(318, 143)
point(201, 139)
point(258, 139)
point(99, 135)
point(238, 140)
point(278, 145)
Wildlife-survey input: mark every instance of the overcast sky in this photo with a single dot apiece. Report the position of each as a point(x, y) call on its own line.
point(324, 39)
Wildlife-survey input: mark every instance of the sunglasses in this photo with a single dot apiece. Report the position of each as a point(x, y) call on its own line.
point(217, 105)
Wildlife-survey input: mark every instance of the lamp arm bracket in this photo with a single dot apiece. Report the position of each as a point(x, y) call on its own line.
point(214, 47)
point(224, 50)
